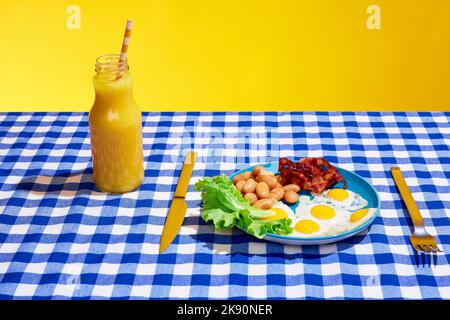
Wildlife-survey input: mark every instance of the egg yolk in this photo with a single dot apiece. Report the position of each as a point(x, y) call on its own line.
point(279, 214)
point(338, 194)
point(358, 215)
point(306, 226)
point(323, 212)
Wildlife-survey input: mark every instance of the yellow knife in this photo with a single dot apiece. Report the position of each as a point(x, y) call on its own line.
point(178, 207)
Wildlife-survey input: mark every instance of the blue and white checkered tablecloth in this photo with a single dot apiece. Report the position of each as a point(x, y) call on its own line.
point(62, 238)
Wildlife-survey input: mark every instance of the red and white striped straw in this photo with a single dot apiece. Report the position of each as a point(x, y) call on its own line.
point(126, 41)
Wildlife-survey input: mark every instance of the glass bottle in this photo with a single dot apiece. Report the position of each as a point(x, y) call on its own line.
point(115, 123)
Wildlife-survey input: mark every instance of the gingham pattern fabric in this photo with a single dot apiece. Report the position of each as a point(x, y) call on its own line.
point(61, 238)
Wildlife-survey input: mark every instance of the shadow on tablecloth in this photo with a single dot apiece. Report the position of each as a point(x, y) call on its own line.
point(65, 184)
point(235, 242)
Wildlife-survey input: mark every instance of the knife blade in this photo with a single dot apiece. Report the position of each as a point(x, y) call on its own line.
point(178, 207)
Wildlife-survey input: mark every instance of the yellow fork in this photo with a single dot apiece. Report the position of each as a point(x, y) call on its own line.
point(420, 239)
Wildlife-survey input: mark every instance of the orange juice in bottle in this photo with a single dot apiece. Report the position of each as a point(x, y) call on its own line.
point(115, 124)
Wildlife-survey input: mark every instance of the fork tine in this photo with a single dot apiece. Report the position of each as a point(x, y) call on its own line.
point(425, 248)
point(417, 247)
point(435, 248)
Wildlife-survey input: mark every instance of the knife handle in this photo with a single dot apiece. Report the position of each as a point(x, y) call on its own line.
point(185, 176)
point(407, 196)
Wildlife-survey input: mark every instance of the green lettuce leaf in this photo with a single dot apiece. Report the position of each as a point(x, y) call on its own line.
point(224, 205)
point(221, 193)
point(220, 218)
point(259, 228)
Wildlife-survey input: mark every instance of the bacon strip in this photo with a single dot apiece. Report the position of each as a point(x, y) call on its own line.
point(310, 174)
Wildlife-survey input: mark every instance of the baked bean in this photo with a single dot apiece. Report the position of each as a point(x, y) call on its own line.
point(273, 196)
point(242, 176)
point(262, 190)
point(279, 179)
point(279, 192)
point(257, 170)
point(249, 186)
point(269, 180)
point(264, 203)
point(240, 184)
point(266, 173)
point(251, 197)
point(292, 187)
point(291, 196)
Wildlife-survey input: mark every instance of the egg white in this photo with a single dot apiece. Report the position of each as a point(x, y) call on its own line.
point(352, 203)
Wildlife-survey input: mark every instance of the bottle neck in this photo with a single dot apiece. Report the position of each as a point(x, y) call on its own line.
point(112, 83)
point(110, 67)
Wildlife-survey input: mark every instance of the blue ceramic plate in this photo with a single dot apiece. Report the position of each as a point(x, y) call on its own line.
point(355, 183)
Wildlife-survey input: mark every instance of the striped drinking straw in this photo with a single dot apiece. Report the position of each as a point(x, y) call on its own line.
point(126, 41)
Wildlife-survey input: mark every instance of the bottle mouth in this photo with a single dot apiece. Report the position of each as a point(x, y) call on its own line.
point(110, 66)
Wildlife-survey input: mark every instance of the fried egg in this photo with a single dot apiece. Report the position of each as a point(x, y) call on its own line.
point(316, 217)
point(281, 211)
point(360, 216)
point(343, 199)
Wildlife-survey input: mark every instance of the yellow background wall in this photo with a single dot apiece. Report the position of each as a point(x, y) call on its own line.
point(231, 54)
